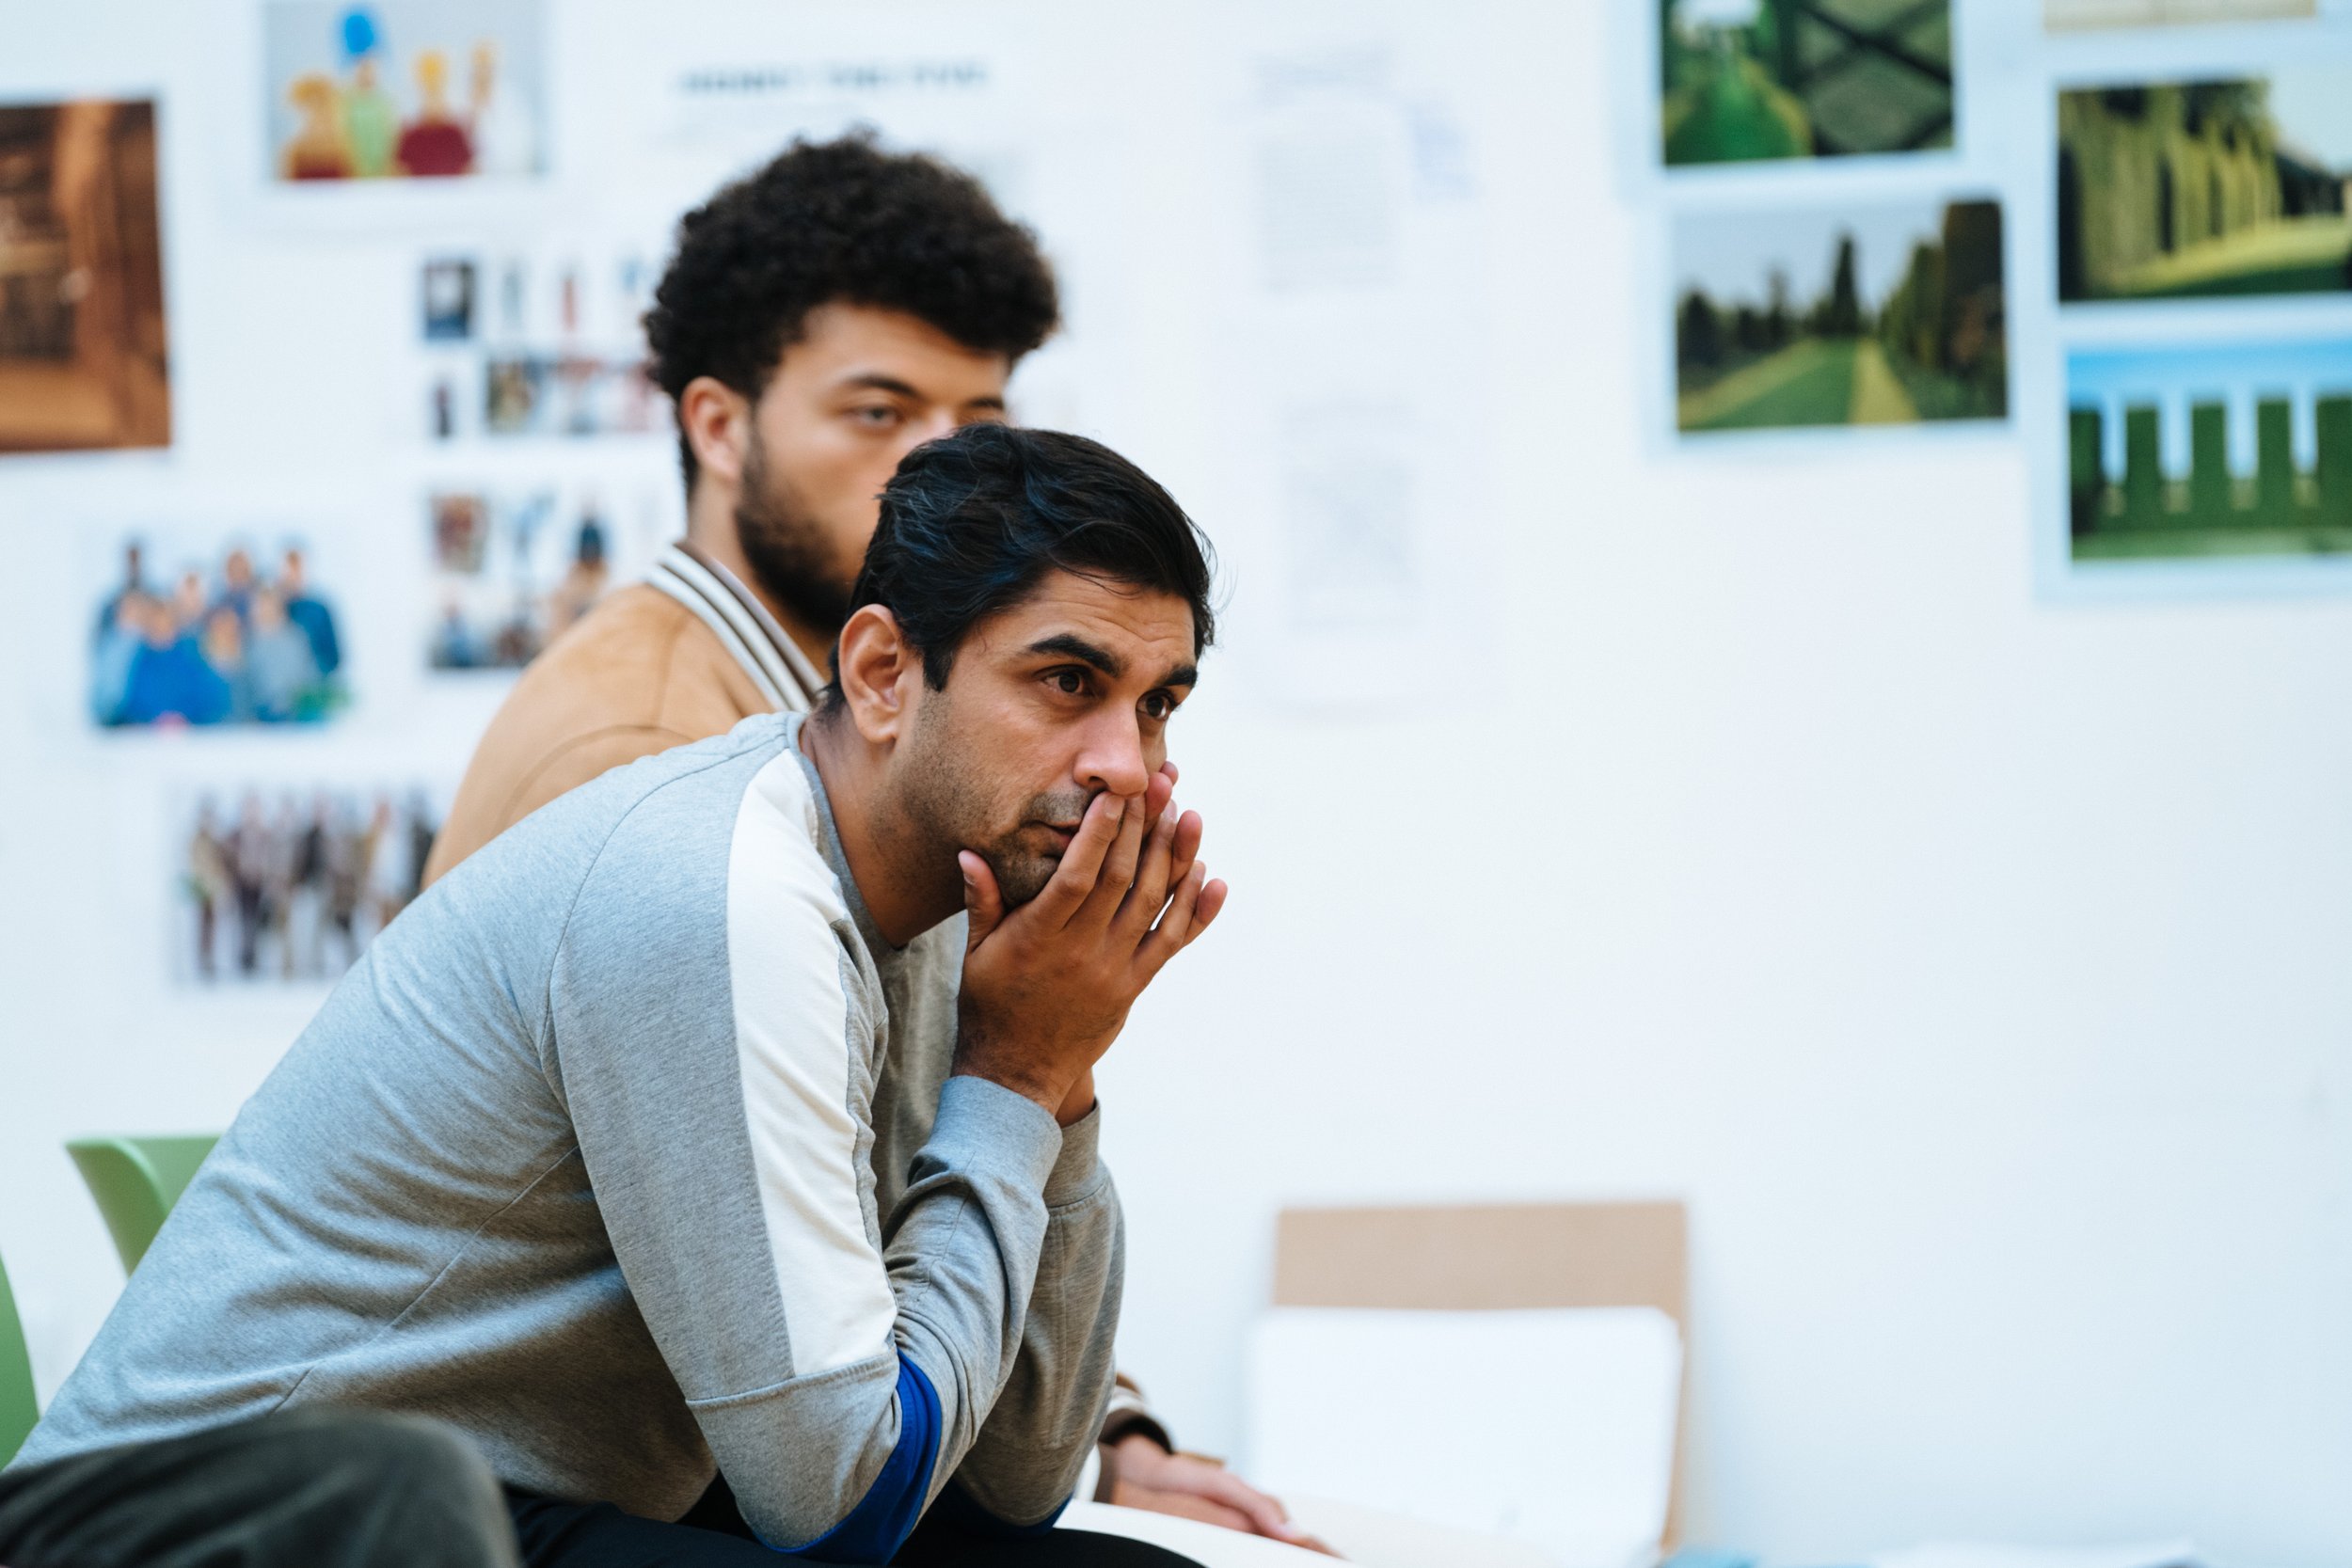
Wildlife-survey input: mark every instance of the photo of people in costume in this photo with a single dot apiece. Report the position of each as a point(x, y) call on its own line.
point(285, 883)
point(420, 90)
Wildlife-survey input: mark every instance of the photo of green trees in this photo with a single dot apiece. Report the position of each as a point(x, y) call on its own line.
point(2188, 189)
point(1758, 79)
point(1892, 314)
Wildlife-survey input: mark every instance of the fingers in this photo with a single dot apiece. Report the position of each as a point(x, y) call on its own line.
point(1266, 1516)
point(1081, 863)
point(1195, 903)
point(1143, 901)
point(1119, 865)
point(983, 901)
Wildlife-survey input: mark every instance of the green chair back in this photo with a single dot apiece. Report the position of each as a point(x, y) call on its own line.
point(18, 1412)
point(136, 1181)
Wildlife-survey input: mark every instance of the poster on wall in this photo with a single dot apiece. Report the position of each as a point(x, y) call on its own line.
point(1747, 80)
point(451, 90)
point(2210, 452)
point(209, 630)
point(2206, 189)
point(1886, 313)
point(515, 567)
point(83, 358)
point(549, 344)
point(287, 883)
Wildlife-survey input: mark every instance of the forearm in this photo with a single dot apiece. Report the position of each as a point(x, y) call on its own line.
point(1034, 1442)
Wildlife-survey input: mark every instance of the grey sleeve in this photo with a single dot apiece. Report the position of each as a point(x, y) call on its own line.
point(1023, 1465)
point(839, 1381)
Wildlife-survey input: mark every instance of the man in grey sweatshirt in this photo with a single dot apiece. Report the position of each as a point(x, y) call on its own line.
point(685, 1133)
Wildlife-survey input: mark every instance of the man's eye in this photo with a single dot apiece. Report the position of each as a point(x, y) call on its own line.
point(1157, 705)
point(1069, 682)
point(880, 418)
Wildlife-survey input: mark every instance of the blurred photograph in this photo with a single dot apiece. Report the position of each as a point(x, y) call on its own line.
point(1892, 314)
point(82, 353)
point(240, 634)
point(2210, 450)
point(404, 89)
point(1746, 80)
point(2178, 190)
point(2070, 16)
point(449, 300)
point(511, 571)
point(280, 885)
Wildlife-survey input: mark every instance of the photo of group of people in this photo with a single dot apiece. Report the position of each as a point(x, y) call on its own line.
point(511, 570)
point(283, 884)
point(84, 362)
point(234, 635)
point(418, 90)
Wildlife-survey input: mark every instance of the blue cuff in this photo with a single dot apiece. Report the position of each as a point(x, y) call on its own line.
point(886, 1516)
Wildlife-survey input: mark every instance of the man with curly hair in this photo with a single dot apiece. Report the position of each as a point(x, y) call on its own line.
point(821, 319)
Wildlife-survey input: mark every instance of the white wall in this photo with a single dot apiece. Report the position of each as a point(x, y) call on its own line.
point(1973, 963)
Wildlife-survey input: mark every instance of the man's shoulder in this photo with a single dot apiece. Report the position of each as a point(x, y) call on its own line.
point(638, 659)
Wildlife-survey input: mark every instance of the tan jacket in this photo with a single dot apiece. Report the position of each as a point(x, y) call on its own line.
point(640, 673)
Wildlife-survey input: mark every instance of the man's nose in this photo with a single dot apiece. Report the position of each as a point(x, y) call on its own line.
point(1113, 759)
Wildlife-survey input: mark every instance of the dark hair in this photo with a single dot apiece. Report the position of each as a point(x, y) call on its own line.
point(840, 221)
point(973, 521)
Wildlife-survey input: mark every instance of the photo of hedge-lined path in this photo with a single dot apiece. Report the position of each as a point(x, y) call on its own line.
point(1907, 325)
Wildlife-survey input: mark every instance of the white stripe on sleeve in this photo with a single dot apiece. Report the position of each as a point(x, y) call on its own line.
point(791, 1028)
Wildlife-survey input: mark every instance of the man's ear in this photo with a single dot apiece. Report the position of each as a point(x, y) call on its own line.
point(717, 421)
point(879, 669)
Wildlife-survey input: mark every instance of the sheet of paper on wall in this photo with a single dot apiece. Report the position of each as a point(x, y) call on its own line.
point(1555, 1427)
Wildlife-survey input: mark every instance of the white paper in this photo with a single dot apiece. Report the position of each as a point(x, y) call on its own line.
point(1555, 1427)
point(1964, 1554)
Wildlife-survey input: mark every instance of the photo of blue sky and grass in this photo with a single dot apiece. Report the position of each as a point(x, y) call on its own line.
point(1891, 313)
point(1758, 79)
point(2210, 450)
point(2174, 190)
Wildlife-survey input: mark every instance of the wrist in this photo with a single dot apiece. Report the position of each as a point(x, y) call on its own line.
point(1078, 1101)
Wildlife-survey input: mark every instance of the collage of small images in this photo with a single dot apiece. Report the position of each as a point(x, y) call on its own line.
point(514, 565)
point(517, 345)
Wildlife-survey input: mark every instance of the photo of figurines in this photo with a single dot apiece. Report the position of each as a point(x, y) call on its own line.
point(524, 346)
point(2066, 16)
point(2210, 450)
point(513, 569)
point(404, 89)
point(285, 885)
point(2194, 189)
point(229, 633)
point(1742, 80)
point(83, 356)
point(1887, 314)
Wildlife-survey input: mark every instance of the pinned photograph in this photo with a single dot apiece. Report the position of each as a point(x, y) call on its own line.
point(2176, 190)
point(283, 885)
point(1891, 315)
point(218, 634)
point(2210, 450)
point(449, 300)
point(83, 362)
point(2071, 16)
point(404, 89)
point(1744, 80)
point(511, 571)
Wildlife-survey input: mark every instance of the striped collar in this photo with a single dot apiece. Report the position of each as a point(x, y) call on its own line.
point(718, 598)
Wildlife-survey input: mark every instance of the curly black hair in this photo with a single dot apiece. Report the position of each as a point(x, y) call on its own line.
point(842, 221)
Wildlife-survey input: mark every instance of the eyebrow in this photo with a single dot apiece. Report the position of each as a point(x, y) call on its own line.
point(1070, 645)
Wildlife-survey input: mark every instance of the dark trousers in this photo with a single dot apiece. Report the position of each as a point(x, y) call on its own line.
point(713, 1535)
point(310, 1488)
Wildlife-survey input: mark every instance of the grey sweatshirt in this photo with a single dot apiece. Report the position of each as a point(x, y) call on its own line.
point(630, 1149)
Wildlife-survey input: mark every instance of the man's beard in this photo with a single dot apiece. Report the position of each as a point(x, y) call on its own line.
point(941, 802)
point(791, 555)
